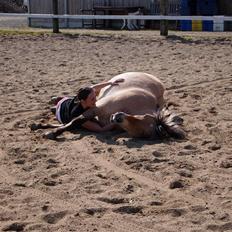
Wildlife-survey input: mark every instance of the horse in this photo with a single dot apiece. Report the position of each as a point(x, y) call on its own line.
point(135, 105)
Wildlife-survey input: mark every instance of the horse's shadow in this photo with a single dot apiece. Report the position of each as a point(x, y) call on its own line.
point(184, 39)
point(118, 138)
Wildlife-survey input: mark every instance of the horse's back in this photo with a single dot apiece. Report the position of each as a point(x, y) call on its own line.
point(139, 93)
point(137, 80)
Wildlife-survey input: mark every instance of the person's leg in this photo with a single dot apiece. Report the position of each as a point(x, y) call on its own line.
point(55, 100)
point(53, 110)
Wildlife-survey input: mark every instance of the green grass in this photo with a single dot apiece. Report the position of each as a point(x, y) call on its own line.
point(65, 32)
point(188, 38)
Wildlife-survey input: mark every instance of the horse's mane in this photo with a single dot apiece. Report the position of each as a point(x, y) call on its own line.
point(168, 124)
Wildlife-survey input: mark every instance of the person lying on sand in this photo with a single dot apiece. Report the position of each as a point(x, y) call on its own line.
point(68, 108)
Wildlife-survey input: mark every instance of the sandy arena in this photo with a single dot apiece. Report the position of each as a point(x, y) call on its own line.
point(91, 182)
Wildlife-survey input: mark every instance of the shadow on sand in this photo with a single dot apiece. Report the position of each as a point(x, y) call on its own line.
point(118, 138)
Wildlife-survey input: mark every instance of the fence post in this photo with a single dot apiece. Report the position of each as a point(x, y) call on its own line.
point(29, 12)
point(66, 12)
point(55, 20)
point(164, 23)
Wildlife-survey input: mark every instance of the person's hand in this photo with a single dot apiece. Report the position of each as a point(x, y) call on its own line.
point(117, 81)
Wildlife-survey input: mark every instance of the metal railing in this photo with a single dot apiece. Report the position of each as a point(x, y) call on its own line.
point(113, 17)
point(120, 17)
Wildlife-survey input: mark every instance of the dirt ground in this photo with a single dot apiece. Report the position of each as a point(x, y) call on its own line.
point(90, 182)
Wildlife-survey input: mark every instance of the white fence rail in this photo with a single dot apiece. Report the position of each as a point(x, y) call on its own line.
point(122, 17)
point(218, 24)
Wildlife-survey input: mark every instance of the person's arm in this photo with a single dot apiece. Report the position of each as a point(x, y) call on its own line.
point(95, 127)
point(99, 86)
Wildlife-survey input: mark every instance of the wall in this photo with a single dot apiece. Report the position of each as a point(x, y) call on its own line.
point(225, 7)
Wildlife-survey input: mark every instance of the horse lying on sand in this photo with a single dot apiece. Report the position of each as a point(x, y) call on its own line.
point(136, 106)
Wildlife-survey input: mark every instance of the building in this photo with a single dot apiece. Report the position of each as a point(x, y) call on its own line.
point(77, 7)
point(149, 7)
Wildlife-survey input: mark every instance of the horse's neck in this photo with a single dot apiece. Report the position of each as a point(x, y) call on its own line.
point(92, 112)
point(100, 111)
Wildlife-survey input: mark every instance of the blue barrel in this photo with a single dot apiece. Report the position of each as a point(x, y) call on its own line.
point(186, 25)
point(207, 25)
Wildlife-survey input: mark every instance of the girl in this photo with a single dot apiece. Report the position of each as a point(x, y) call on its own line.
point(68, 108)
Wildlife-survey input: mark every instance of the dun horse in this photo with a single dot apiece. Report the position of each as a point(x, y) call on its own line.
point(136, 106)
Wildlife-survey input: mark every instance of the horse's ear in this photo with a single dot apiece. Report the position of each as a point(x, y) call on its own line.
point(150, 115)
point(154, 113)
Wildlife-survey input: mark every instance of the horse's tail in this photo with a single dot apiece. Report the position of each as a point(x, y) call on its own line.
point(169, 124)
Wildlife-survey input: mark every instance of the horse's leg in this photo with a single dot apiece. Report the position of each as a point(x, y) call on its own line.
point(36, 126)
point(75, 123)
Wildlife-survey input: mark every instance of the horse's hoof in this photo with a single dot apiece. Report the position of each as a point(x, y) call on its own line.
point(35, 126)
point(49, 135)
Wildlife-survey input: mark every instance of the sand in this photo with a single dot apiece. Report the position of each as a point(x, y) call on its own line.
point(91, 182)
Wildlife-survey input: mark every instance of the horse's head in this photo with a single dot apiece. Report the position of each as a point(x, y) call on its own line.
point(160, 125)
point(135, 125)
